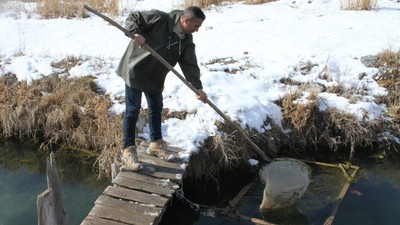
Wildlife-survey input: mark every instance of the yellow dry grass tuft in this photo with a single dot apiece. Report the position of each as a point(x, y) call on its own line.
point(63, 111)
point(332, 129)
point(207, 3)
point(74, 8)
point(389, 77)
point(358, 4)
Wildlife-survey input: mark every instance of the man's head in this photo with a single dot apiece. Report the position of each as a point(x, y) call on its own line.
point(192, 19)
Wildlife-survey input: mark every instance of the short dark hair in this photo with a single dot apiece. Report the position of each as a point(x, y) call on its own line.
point(194, 12)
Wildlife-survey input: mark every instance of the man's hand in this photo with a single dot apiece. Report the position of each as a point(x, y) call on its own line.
point(201, 95)
point(139, 39)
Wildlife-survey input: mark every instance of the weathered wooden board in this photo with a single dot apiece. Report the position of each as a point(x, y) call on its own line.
point(161, 172)
point(91, 220)
point(143, 145)
point(135, 208)
point(148, 179)
point(135, 196)
point(150, 159)
point(139, 197)
point(157, 187)
point(122, 215)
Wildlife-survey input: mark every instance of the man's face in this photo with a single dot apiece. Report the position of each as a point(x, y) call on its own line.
point(190, 26)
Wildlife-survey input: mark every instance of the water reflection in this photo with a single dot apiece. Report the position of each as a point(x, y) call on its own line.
point(22, 179)
point(378, 181)
point(286, 216)
point(379, 202)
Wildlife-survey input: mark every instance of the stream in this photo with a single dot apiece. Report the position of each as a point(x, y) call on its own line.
point(373, 198)
point(23, 178)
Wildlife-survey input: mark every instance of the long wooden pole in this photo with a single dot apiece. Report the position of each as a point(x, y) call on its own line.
point(191, 87)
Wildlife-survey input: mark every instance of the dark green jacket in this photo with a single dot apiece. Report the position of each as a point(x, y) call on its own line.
point(144, 72)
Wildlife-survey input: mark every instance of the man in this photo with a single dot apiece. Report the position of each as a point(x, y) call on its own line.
point(170, 35)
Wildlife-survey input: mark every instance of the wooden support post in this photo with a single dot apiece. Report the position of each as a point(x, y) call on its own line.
point(115, 169)
point(50, 207)
point(45, 209)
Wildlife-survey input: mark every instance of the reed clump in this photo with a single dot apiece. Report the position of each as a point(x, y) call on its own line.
point(388, 62)
point(329, 131)
point(207, 3)
point(229, 150)
point(58, 110)
point(358, 4)
point(74, 8)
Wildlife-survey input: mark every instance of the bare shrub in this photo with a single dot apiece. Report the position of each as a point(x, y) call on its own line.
point(74, 8)
point(358, 4)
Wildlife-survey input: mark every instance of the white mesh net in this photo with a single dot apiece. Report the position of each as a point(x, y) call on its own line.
point(285, 181)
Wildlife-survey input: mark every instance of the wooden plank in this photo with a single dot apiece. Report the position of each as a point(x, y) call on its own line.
point(135, 196)
point(160, 172)
point(121, 215)
point(91, 220)
point(143, 145)
point(150, 159)
point(134, 208)
point(148, 179)
point(143, 186)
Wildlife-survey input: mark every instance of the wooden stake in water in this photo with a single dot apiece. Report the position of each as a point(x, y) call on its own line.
point(50, 207)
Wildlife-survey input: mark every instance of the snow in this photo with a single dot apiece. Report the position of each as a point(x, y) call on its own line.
point(262, 43)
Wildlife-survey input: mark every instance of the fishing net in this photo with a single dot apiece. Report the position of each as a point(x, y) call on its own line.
point(285, 181)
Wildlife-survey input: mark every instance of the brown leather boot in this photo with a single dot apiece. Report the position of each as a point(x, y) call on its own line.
point(130, 158)
point(160, 149)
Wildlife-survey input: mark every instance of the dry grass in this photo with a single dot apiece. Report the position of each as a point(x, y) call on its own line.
point(74, 8)
point(230, 150)
point(389, 64)
point(58, 110)
point(358, 4)
point(332, 129)
point(63, 111)
point(207, 3)
point(256, 2)
point(389, 77)
point(57, 8)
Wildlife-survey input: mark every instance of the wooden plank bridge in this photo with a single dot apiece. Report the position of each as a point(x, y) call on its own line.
point(139, 197)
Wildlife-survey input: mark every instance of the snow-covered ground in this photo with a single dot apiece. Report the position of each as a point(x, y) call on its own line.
point(264, 43)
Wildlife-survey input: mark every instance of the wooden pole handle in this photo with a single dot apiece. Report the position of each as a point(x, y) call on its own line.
point(191, 87)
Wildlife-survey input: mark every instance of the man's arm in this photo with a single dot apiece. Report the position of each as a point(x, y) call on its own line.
point(191, 70)
point(138, 22)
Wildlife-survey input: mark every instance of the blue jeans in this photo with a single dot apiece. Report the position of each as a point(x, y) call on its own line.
point(133, 101)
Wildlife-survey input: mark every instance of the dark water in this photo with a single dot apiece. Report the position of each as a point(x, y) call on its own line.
point(373, 198)
point(22, 179)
